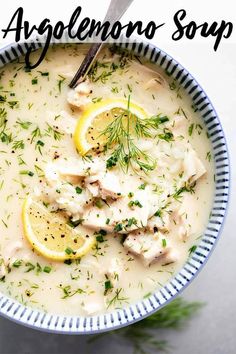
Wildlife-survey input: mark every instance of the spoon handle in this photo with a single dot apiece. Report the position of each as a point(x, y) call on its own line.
point(115, 11)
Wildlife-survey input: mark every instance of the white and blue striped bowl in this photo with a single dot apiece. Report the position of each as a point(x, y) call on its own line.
point(27, 316)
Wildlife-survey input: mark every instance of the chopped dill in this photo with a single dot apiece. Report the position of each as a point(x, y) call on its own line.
point(18, 144)
point(23, 124)
point(117, 298)
point(60, 82)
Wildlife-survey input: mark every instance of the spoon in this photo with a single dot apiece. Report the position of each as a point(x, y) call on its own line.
point(115, 11)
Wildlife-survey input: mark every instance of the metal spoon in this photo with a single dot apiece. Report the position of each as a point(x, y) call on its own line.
point(115, 11)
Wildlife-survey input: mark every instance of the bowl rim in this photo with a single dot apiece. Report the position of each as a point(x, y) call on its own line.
point(61, 324)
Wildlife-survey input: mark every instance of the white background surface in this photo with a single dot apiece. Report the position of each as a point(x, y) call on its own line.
point(213, 331)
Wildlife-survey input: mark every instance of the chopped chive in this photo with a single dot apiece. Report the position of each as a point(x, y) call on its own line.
point(163, 242)
point(47, 269)
point(192, 249)
point(118, 227)
point(17, 263)
point(69, 251)
point(108, 285)
point(78, 190)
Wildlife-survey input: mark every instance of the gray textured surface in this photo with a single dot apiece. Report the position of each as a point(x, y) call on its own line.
point(213, 331)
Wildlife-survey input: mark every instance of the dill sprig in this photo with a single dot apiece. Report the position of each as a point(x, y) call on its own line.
point(186, 188)
point(144, 127)
point(120, 136)
point(127, 154)
point(143, 335)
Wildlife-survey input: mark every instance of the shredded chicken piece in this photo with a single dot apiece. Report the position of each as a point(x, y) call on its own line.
point(154, 83)
point(119, 212)
point(157, 223)
point(65, 169)
point(104, 185)
point(148, 247)
point(114, 270)
point(193, 167)
point(80, 96)
point(92, 307)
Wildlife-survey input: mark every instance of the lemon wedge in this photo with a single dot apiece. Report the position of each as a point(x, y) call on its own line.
point(95, 119)
point(50, 235)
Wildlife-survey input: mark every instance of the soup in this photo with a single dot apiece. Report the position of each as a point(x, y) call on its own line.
point(105, 189)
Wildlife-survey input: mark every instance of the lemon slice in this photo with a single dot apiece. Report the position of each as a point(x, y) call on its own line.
point(50, 235)
point(95, 119)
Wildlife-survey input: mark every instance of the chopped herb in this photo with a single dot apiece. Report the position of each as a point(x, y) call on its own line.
point(163, 242)
point(99, 204)
point(117, 298)
point(135, 203)
point(3, 99)
point(34, 81)
point(190, 129)
point(208, 156)
point(130, 194)
point(78, 190)
point(100, 235)
point(118, 227)
point(192, 249)
point(36, 133)
point(39, 269)
point(27, 172)
point(4, 223)
point(30, 267)
point(166, 135)
point(69, 251)
point(158, 213)
point(142, 186)
point(186, 188)
point(108, 286)
point(3, 117)
point(111, 162)
point(13, 104)
point(60, 82)
point(75, 223)
point(107, 221)
point(100, 238)
point(39, 171)
point(132, 221)
point(114, 90)
point(24, 125)
point(47, 269)
point(18, 144)
point(54, 132)
point(40, 142)
point(17, 263)
point(6, 138)
point(44, 73)
point(129, 88)
point(96, 99)
point(69, 293)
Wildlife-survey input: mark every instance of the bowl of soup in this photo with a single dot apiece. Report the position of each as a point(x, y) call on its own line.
point(113, 194)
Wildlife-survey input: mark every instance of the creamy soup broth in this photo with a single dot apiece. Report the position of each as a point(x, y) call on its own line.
point(37, 132)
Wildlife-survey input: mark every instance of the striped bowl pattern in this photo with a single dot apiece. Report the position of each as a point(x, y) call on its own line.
point(85, 325)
